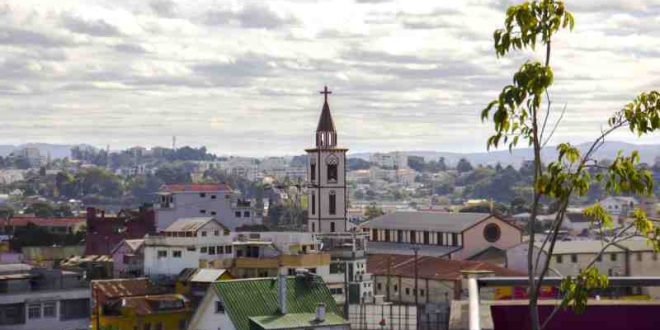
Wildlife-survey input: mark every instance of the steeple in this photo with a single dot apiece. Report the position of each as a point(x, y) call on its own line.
point(326, 135)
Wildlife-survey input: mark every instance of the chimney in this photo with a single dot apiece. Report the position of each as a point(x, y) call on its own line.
point(281, 288)
point(320, 312)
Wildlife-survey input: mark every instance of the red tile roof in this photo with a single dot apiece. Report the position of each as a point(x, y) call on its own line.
point(210, 187)
point(46, 222)
point(148, 305)
point(429, 267)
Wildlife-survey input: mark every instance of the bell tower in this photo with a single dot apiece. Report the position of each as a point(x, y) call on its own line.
point(326, 177)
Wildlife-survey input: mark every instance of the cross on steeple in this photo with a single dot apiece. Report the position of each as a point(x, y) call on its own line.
point(325, 93)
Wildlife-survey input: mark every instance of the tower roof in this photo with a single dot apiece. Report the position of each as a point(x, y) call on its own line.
point(325, 122)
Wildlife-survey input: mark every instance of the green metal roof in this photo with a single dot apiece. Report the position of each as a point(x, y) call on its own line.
point(248, 298)
point(297, 320)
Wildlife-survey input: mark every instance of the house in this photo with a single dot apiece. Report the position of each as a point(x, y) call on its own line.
point(93, 266)
point(128, 258)
point(578, 223)
point(137, 304)
point(176, 201)
point(619, 206)
point(105, 232)
point(36, 299)
point(300, 302)
point(194, 282)
point(439, 281)
point(66, 225)
point(457, 236)
point(194, 227)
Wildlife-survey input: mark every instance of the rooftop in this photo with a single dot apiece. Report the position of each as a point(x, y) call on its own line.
point(431, 221)
point(148, 305)
point(45, 222)
point(296, 320)
point(249, 298)
point(117, 288)
point(209, 187)
point(189, 224)
point(407, 249)
point(430, 267)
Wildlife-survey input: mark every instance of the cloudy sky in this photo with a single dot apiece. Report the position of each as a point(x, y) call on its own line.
point(242, 77)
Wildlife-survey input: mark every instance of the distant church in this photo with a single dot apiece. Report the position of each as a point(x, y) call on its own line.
point(326, 175)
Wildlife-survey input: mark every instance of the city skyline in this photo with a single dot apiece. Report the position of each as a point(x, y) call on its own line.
point(242, 77)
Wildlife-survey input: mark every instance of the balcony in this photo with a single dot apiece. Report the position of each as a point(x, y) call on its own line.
point(244, 262)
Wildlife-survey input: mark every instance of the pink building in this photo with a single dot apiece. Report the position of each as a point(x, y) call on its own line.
point(459, 236)
point(128, 258)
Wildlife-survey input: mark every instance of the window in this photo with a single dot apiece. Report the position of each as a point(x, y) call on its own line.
point(313, 227)
point(332, 203)
point(407, 291)
point(291, 271)
point(176, 254)
point(213, 196)
point(202, 195)
point(202, 211)
point(219, 307)
point(559, 258)
point(440, 239)
point(574, 258)
point(162, 254)
point(191, 248)
point(421, 292)
point(49, 308)
point(613, 256)
point(378, 286)
point(211, 249)
point(213, 213)
point(312, 270)
point(332, 172)
point(426, 237)
point(312, 172)
point(216, 233)
point(639, 256)
point(34, 311)
point(203, 233)
point(228, 249)
point(374, 235)
point(237, 214)
point(387, 235)
point(220, 249)
point(413, 238)
point(202, 249)
point(396, 288)
point(332, 226)
point(599, 258)
point(454, 239)
point(492, 232)
point(313, 204)
point(246, 214)
point(399, 236)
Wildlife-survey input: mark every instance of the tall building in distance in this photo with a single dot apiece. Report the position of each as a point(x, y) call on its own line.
point(326, 174)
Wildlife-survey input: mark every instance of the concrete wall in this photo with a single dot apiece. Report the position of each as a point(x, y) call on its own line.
point(402, 289)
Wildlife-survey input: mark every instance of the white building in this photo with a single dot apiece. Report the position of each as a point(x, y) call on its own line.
point(178, 201)
point(37, 299)
point(390, 160)
point(619, 206)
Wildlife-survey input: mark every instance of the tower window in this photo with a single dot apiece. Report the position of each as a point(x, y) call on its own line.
point(332, 203)
point(312, 172)
point(332, 226)
point(313, 204)
point(313, 227)
point(332, 172)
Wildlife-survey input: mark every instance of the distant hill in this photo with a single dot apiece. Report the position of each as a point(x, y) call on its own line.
point(648, 154)
point(55, 150)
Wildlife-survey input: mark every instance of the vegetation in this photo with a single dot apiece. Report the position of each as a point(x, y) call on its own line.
point(520, 115)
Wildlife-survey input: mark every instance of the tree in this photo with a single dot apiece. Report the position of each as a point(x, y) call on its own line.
point(520, 114)
point(41, 209)
point(463, 166)
point(417, 163)
point(373, 211)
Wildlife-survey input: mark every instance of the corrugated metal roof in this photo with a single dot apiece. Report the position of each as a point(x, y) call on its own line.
point(297, 320)
point(259, 297)
point(581, 246)
point(431, 221)
point(429, 267)
point(189, 224)
point(210, 187)
point(207, 275)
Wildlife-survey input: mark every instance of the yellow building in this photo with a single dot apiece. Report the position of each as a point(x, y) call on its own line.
point(151, 312)
point(193, 282)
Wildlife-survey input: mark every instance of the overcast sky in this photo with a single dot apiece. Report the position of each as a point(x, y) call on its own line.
point(242, 77)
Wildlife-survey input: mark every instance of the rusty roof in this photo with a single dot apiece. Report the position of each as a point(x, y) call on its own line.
point(117, 288)
point(47, 222)
point(430, 267)
point(164, 303)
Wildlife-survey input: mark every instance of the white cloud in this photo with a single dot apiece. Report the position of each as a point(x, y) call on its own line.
point(242, 76)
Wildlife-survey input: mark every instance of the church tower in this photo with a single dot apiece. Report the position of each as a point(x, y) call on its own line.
point(326, 175)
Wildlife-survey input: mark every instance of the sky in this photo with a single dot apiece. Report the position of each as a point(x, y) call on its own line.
point(242, 77)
